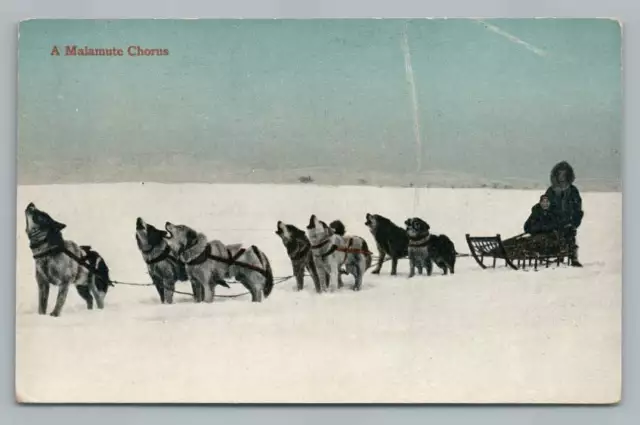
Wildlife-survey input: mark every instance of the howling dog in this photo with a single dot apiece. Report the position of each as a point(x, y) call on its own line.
point(164, 268)
point(330, 252)
point(390, 239)
point(62, 263)
point(209, 263)
point(299, 251)
point(426, 248)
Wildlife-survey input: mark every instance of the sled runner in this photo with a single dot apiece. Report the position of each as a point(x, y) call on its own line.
point(521, 251)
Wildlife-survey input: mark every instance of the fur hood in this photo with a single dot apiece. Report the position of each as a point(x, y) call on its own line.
point(564, 165)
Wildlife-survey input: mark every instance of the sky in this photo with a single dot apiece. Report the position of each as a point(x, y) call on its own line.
point(495, 98)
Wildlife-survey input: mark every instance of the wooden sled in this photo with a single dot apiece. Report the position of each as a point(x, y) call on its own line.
point(522, 251)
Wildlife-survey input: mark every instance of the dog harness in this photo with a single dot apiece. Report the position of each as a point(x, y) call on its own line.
point(230, 260)
point(165, 254)
point(419, 242)
point(335, 248)
point(61, 249)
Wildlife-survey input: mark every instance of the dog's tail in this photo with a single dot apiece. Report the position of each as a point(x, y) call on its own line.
point(368, 256)
point(268, 286)
point(102, 279)
point(98, 269)
point(103, 269)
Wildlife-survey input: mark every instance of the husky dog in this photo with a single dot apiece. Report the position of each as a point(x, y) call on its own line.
point(62, 263)
point(426, 248)
point(442, 252)
point(418, 232)
point(299, 252)
point(164, 268)
point(209, 263)
point(330, 252)
point(390, 239)
point(355, 242)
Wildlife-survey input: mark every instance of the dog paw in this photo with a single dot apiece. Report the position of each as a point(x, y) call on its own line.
point(375, 272)
point(54, 314)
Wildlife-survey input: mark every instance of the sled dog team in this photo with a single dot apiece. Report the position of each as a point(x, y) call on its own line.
point(180, 253)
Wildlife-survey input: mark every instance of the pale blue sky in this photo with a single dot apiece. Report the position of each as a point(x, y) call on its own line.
point(508, 98)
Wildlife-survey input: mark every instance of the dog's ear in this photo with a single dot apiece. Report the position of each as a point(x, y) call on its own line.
point(427, 227)
point(57, 225)
point(407, 222)
point(191, 236)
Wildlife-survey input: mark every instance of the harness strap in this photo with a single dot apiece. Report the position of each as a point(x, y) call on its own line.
point(81, 262)
point(333, 249)
point(419, 242)
point(163, 256)
point(233, 261)
point(354, 251)
point(201, 258)
point(257, 252)
point(321, 244)
point(418, 245)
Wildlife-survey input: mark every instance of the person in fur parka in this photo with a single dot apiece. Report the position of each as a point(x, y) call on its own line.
point(566, 203)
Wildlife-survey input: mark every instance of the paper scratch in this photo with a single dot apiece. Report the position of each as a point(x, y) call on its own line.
point(512, 38)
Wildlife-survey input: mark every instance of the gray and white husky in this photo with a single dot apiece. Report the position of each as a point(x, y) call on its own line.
point(208, 263)
point(331, 252)
point(299, 251)
point(418, 232)
point(62, 263)
point(164, 268)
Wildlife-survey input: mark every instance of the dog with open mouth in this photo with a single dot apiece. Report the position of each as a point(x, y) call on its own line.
point(391, 240)
point(299, 252)
point(163, 267)
point(331, 252)
point(62, 263)
point(208, 263)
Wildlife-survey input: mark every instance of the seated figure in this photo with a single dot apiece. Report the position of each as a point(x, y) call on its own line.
point(542, 218)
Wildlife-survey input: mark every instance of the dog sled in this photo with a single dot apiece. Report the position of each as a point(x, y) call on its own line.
point(522, 251)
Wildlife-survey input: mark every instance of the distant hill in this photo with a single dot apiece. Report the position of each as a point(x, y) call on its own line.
point(187, 169)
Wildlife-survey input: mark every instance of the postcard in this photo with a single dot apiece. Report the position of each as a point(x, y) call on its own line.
point(319, 211)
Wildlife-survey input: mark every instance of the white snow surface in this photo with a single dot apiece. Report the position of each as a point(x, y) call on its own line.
point(479, 336)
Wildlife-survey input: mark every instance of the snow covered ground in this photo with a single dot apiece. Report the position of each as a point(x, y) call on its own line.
point(551, 336)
